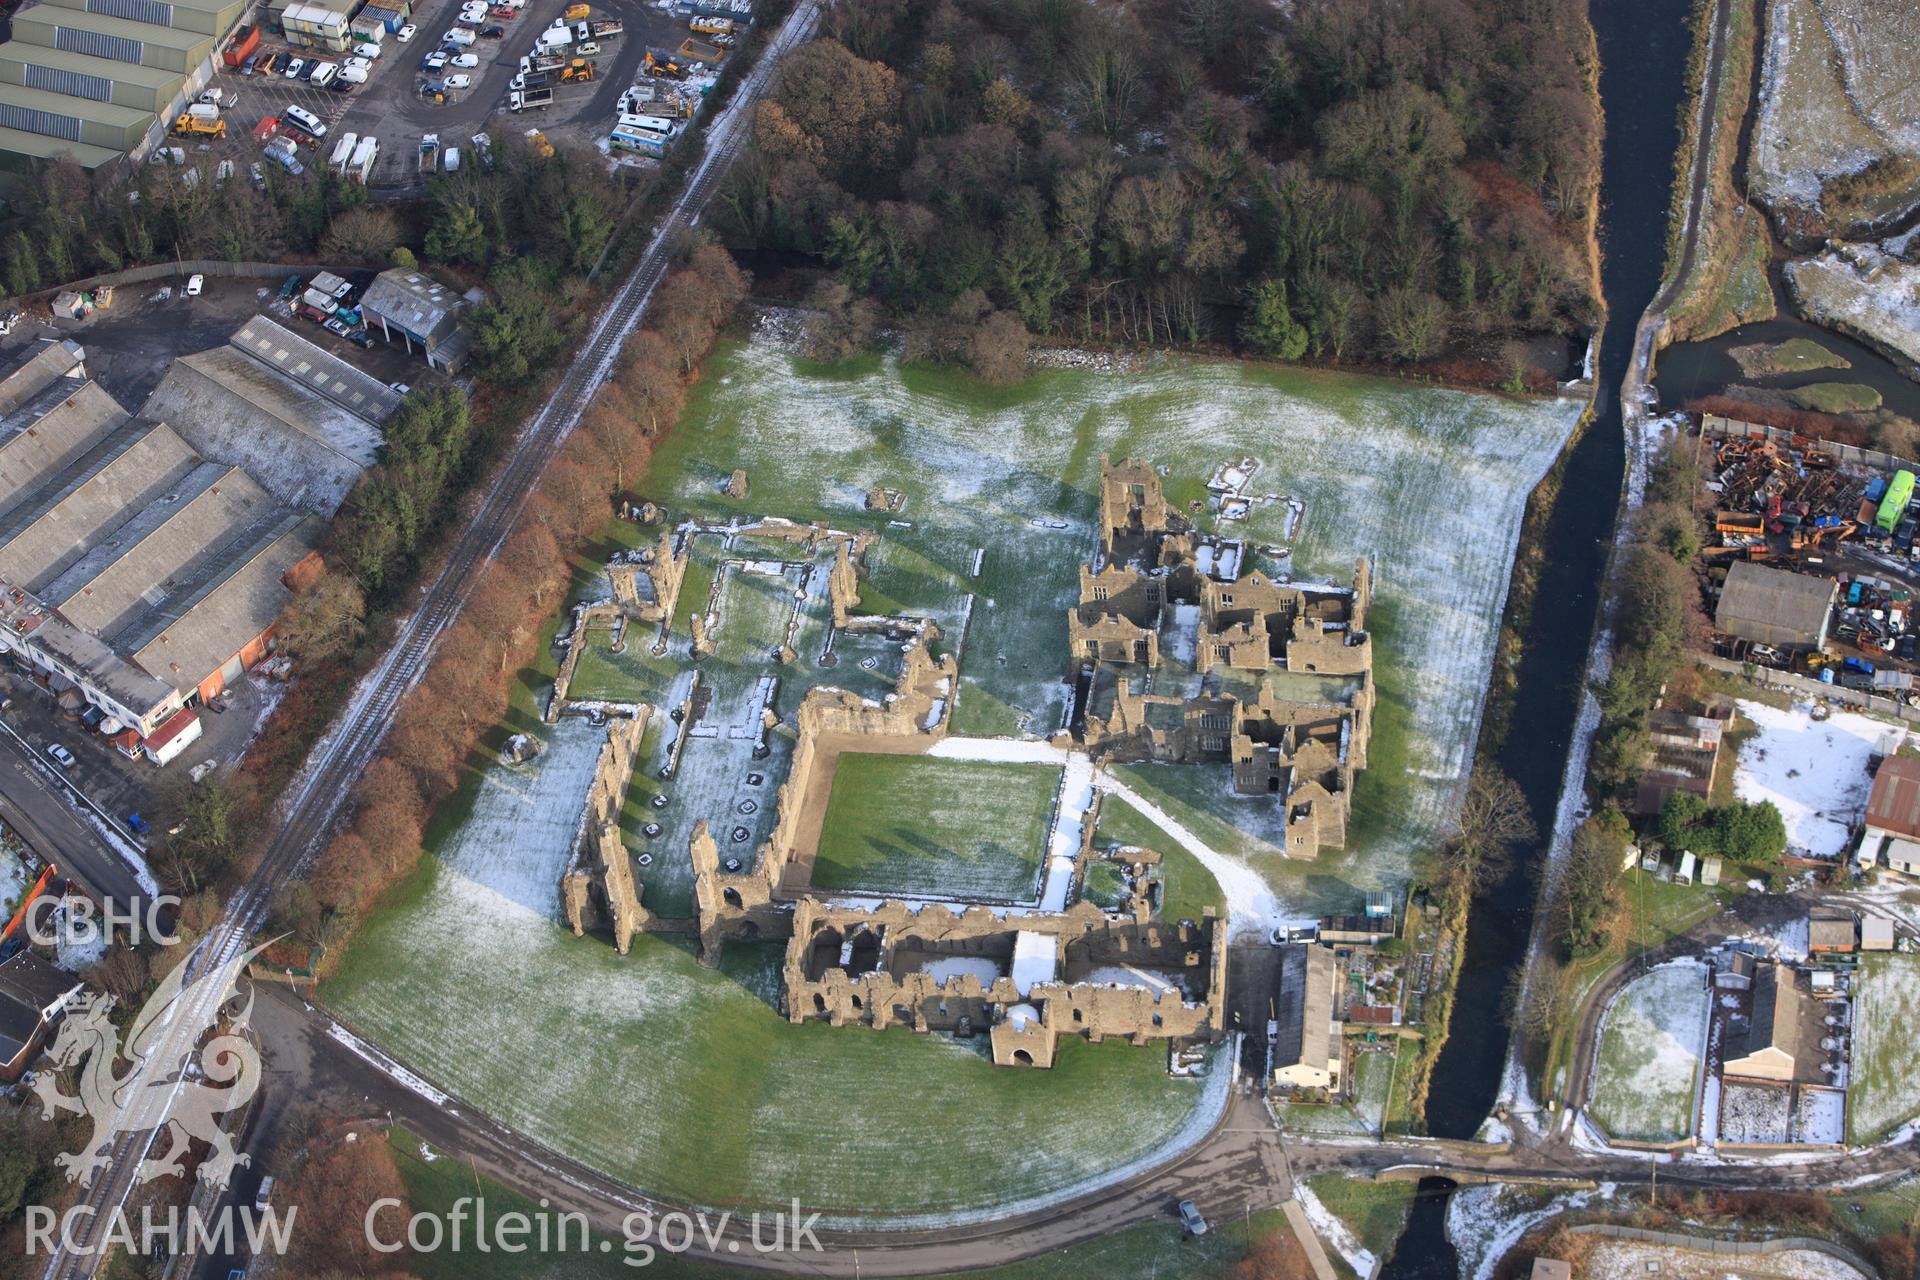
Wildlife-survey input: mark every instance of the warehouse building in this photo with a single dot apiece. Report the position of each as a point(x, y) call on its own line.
point(100, 79)
point(303, 422)
point(422, 313)
point(1789, 611)
point(135, 574)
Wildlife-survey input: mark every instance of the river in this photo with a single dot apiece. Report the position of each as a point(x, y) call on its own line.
point(1643, 56)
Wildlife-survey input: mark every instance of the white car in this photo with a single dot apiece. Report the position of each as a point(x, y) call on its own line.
point(588, 49)
point(295, 67)
point(195, 283)
point(466, 60)
point(369, 51)
point(459, 35)
point(406, 34)
point(433, 61)
point(459, 82)
point(61, 756)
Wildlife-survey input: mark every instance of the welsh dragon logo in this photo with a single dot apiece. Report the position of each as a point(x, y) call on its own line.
point(157, 1088)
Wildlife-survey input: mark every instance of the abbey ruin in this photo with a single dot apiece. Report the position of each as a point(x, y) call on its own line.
point(1175, 655)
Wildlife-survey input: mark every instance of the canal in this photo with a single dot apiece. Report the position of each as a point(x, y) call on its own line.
point(1643, 56)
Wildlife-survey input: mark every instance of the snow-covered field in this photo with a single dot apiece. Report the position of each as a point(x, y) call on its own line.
point(1483, 1223)
point(1814, 771)
point(1636, 1260)
point(1431, 485)
point(1886, 1010)
point(1837, 91)
point(1651, 1048)
point(1821, 1116)
point(1860, 289)
point(13, 876)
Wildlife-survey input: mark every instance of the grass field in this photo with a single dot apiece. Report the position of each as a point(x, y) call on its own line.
point(1836, 397)
point(1187, 888)
point(435, 1182)
point(1650, 1053)
point(1376, 1212)
point(919, 826)
point(685, 1081)
point(1885, 1092)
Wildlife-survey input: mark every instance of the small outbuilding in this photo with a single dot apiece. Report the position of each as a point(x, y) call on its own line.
point(1876, 933)
point(423, 313)
point(1790, 611)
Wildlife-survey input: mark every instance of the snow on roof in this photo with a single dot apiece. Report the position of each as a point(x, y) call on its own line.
point(1036, 959)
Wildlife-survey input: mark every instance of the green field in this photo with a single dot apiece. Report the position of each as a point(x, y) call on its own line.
point(1651, 1047)
point(1376, 1212)
point(1187, 887)
point(686, 1081)
point(1886, 1009)
point(436, 1182)
point(925, 827)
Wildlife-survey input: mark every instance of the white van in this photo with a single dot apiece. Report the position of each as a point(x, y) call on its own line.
point(323, 75)
point(204, 111)
point(305, 121)
point(647, 124)
point(353, 75)
point(450, 160)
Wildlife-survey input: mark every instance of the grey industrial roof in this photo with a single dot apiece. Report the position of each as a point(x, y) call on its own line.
point(301, 446)
point(39, 146)
point(1305, 1006)
point(40, 55)
point(416, 302)
point(38, 366)
point(53, 428)
point(77, 509)
point(144, 32)
point(1772, 606)
point(32, 981)
point(286, 352)
point(108, 114)
point(225, 606)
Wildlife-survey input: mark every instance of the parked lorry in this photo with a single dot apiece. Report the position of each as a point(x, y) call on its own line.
point(360, 166)
point(429, 152)
point(529, 99)
point(191, 126)
point(246, 42)
point(606, 28)
point(707, 26)
point(542, 62)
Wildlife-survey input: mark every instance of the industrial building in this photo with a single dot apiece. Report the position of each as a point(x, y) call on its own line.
point(303, 422)
point(100, 79)
point(1790, 611)
point(423, 313)
point(136, 574)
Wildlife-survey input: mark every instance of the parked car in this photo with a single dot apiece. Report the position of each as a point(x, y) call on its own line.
point(333, 325)
point(368, 50)
point(356, 64)
point(251, 65)
point(459, 82)
point(406, 34)
point(494, 32)
point(265, 1195)
point(195, 283)
point(1190, 1219)
point(434, 61)
point(360, 337)
point(61, 756)
point(459, 35)
point(306, 72)
point(138, 825)
point(92, 716)
point(588, 50)
point(466, 60)
point(295, 67)
point(308, 312)
point(258, 174)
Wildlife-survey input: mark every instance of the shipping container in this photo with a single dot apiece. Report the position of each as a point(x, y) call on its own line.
point(245, 42)
point(1894, 505)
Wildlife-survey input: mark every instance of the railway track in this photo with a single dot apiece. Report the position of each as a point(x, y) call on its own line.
point(319, 793)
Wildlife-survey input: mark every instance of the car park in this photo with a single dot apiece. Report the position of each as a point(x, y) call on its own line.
point(295, 67)
point(466, 60)
point(406, 33)
point(459, 82)
point(367, 50)
point(61, 756)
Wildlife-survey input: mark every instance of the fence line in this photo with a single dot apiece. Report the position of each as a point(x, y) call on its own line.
point(1789, 682)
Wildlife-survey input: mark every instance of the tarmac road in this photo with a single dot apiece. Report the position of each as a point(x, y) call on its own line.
point(36, 807)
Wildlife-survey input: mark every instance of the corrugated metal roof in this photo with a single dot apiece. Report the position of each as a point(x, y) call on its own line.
point(85, 109)
point(316, 369)
point(26, 52)
point(38, 146)
point(1771, 606)
point(416, 302)
point(1894, 804)
point(52, 429)
point(126, 29)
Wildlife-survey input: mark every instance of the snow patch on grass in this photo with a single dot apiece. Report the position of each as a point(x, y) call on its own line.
point(1814, 771)
point(1651, 1047)
point(1886, 1009)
